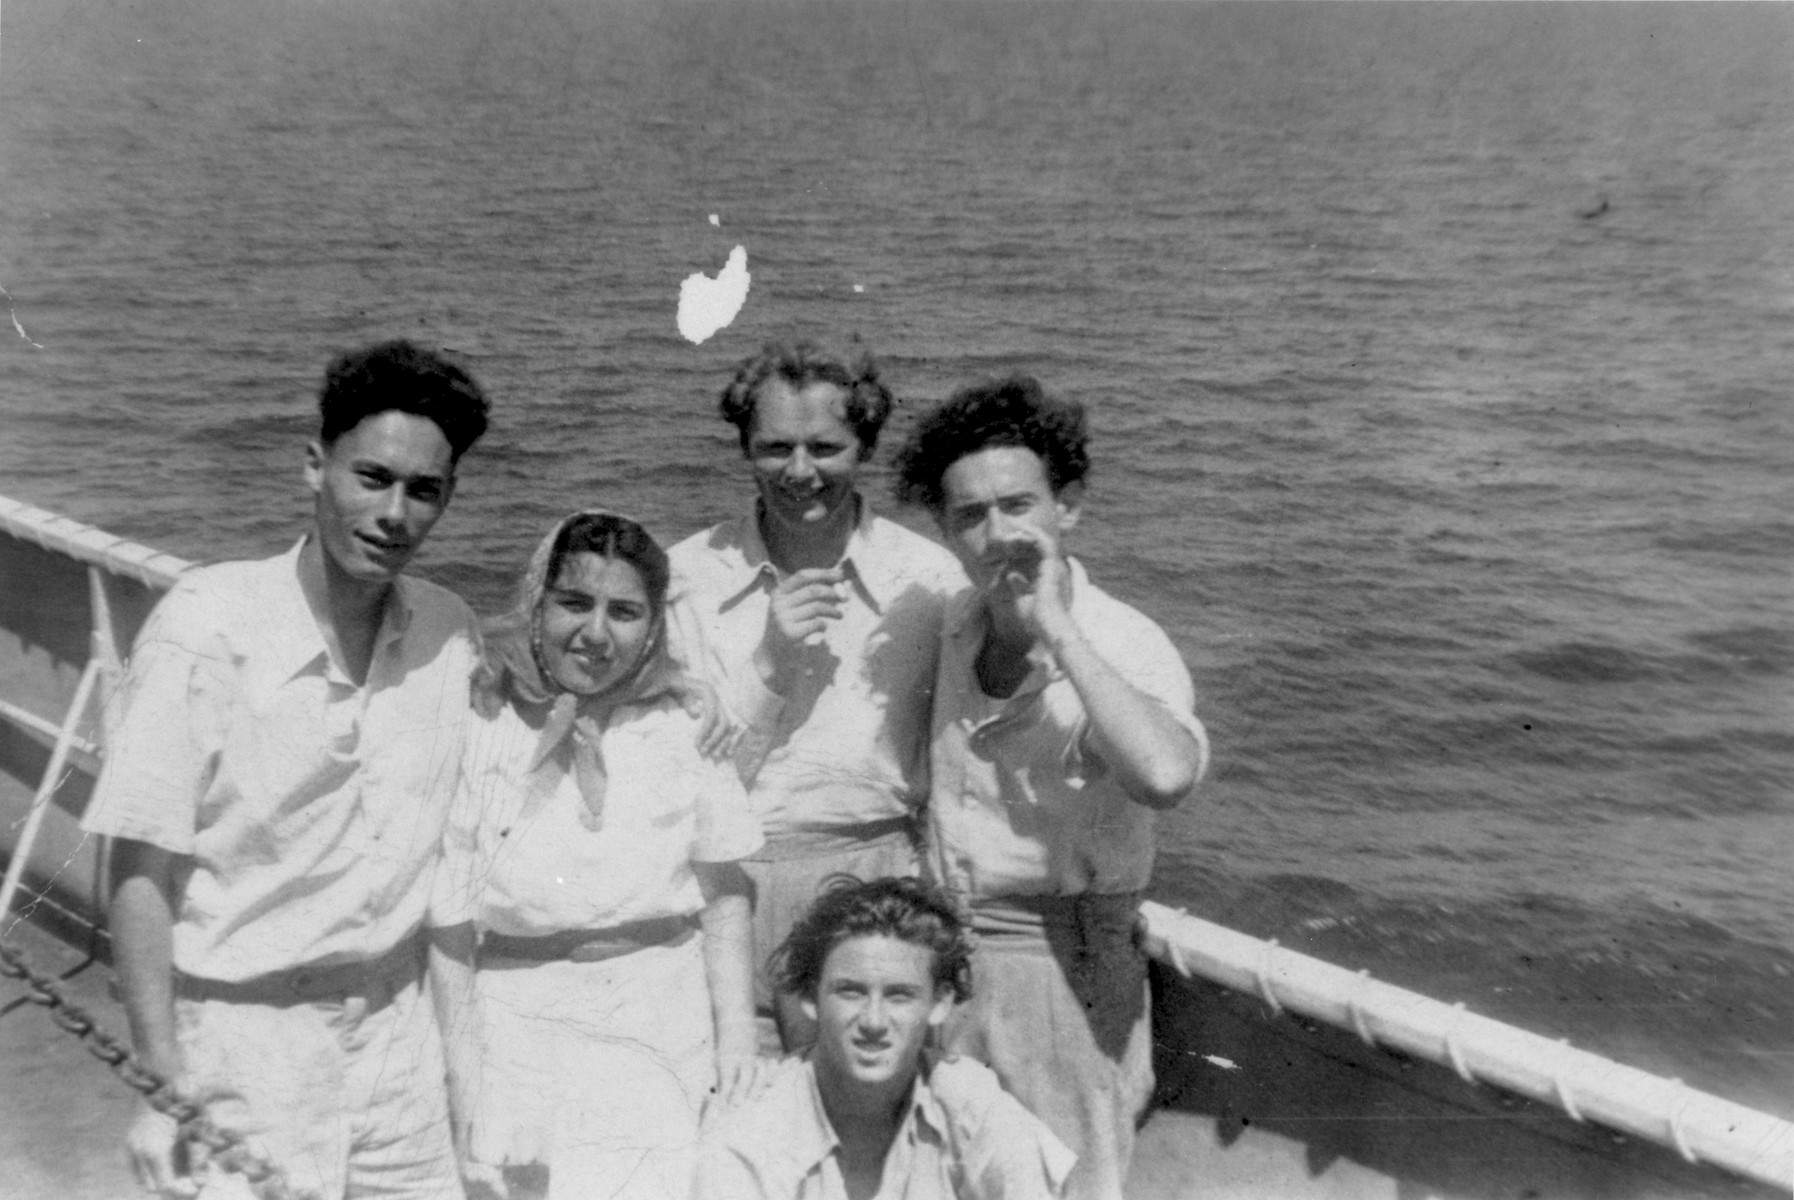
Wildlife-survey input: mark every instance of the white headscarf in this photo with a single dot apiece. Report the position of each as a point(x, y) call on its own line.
point(572, 724)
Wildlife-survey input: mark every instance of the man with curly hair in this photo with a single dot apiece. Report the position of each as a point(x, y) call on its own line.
point(279, 761)
point(870, 1111)
point(817, 622)
point(1062, 724)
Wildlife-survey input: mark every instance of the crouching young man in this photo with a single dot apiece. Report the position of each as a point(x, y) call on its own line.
point(869, 1113)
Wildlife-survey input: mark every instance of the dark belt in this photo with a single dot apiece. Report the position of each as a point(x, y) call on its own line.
point(1091, 916)
point(822, 843)
point(377, 980)
point(587, 945)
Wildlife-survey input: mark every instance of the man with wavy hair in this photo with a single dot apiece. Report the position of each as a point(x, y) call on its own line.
point(1062, 726)
point(817, 622)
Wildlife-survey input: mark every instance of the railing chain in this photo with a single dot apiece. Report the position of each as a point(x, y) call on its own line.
point(229, 1149)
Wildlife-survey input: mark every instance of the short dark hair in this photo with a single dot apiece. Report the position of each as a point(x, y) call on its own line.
point(869, 401)
point(1012, 411)
point(610, 536)
point(906, 909)
point(400, 376)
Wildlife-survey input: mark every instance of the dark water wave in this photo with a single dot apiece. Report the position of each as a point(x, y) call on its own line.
point(1586, 662)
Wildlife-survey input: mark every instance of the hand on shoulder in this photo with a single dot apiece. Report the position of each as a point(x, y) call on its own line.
point(745, 1082)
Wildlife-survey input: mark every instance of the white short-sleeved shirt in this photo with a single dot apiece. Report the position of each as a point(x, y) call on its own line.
point(961, 1138)
point(309, 810)
point(532, 873)
point(848, 745)
point(1020, 805)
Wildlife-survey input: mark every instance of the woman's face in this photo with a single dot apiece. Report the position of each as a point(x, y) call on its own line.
point(596, 622)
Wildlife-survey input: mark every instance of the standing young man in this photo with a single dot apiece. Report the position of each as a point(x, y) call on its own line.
point(817, 623)
point(879, 965)
point(279, 770)
point(1062, 724)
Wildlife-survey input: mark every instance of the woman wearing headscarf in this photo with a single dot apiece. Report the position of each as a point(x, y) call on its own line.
point(589, 875)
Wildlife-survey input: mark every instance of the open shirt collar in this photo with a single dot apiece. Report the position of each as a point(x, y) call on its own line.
point(871, 573)
point(294, 640)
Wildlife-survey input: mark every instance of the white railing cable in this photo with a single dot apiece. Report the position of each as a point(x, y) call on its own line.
point(89, 545)
point(1699, 1126)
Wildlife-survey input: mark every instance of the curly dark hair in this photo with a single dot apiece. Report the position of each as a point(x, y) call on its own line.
point(400, 376)
point(1012, 411)
point(869, 401)
point(906, 909)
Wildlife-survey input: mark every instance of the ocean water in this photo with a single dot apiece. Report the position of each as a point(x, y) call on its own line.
point(1440, 361)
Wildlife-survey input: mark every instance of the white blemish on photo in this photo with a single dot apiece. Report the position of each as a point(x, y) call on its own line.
point(707, 305)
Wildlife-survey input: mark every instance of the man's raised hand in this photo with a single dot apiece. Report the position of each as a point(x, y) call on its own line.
point(1035, 581)
point(803, 606)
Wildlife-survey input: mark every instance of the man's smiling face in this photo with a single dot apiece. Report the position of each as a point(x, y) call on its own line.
point(380, 489)
point(805, 455)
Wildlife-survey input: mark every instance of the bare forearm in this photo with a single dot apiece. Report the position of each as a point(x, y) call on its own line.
point(1155, 759)
point(457, 1016)
point(451, 981)
point(742, 694)
point(142, 926)
point(729, 961)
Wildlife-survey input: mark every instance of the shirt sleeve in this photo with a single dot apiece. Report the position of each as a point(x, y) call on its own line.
point(745, 698)
point(455, 892)
point(726, 1174)
point(1005, 1151)
point(165, 726)
point(1146, 658)
point(1016, 1157)
point(727, 827)
point(757, 1150)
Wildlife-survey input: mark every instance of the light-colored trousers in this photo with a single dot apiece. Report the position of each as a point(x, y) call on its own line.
point(346, 1096)
point(1060, 1011)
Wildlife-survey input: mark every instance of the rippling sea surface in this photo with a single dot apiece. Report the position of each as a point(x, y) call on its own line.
point(1440, 360)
